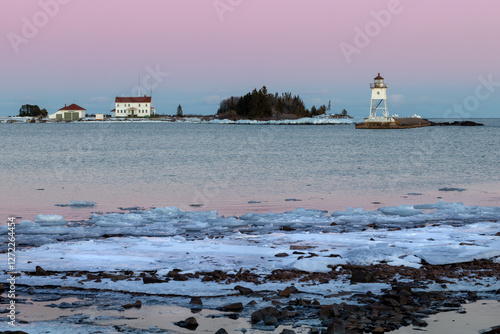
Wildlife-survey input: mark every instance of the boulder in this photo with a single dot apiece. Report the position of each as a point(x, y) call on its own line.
point(261, 314)
point(190, 323)
point(195, 301)
point(137, 304)
point(232, 307)
point(243, 290)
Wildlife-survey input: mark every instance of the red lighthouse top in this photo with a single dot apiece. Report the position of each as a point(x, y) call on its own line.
point(378, 77)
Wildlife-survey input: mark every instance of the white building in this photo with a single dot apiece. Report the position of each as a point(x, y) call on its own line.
point(132, 107)
point(72, 112)
point(379, 102)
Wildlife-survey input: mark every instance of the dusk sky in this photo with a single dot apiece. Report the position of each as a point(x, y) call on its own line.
point(440, 58)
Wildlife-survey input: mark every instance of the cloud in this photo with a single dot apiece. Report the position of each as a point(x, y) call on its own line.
point(99, 99)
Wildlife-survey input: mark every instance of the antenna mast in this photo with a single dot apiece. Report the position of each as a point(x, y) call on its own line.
point(139, 85)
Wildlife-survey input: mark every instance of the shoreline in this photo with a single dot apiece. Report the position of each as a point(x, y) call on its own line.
point(47, 203)
point(362, 271)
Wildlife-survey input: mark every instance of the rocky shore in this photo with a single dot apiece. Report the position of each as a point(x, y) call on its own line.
point(414, 294)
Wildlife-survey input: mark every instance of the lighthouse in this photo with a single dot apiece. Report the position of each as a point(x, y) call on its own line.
point(378, 103)
point(379, 100)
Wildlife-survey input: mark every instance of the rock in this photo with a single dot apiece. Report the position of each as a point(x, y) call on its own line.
point(151, 280)
point(66, 305)
point(173, 273)
point(493, 330)
point(243, 290)
point(190, 323)
point(270, 320)
point(232, 307)
point(195, 301)
point(378, 330)
point(287, 331)
point(137, 304)
point(419, 322)
point(40, 272)
point(301, 247)
point(287, 291)
point(261, 314)
point(360, 275)
point(180, 277)
point(221, 331)
point(281, 255)
point(335, 329)
point(390, 302)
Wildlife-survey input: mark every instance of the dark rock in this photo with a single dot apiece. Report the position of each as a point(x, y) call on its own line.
point(173, 273)
point(390, 302)
point(270, 320)
point(285, 293)
point(456, 123)
point(195, 301)
point(190, 323)
point(281, 255)
point(221, 331)
point(40, 272)
point(360, 275)
point(243, 290)
point(335, 328)
point(137, 304)
point(232, 307)
point(180, 278)
point(260, 315)
point(151, 280)
point(287, 229)
point(493, 330)
point(419, 322)
point(287, 331)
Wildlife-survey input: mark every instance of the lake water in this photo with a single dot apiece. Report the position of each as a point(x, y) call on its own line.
point(224, 167)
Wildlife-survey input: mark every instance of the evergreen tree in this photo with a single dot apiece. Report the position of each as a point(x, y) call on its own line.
point(179, 111)
point(31, 110)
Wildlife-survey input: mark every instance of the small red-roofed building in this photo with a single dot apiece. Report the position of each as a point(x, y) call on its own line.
point(73, 112)
point(139, 106)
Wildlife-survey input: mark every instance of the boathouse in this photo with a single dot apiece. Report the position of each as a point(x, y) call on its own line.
point(73, 112)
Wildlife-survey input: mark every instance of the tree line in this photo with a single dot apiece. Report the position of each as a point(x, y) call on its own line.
point(32, 110)
point(261, 105)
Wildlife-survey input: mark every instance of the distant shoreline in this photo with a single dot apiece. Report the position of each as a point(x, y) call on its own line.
point(212, 120)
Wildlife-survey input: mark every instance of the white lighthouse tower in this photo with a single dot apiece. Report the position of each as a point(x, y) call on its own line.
point(379, 102)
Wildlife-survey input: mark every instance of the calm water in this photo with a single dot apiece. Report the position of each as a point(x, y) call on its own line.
point(224, 167)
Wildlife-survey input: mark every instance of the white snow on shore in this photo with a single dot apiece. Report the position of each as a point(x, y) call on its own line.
point(167, 238)
point(301, 121)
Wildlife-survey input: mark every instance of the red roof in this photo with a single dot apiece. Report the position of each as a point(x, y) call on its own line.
point(378, 77)
point(72, 107)
point(139, 99)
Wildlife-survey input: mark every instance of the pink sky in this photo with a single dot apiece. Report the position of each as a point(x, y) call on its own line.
point(87, 52)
